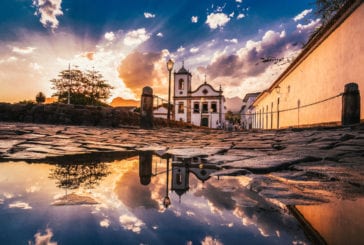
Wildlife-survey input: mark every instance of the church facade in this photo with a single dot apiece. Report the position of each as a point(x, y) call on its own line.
point(201, 107)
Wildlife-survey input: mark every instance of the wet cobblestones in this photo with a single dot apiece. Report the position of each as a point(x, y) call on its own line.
point(295, 166)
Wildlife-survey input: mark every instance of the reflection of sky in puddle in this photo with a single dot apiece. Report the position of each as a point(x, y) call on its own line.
point(217, 211)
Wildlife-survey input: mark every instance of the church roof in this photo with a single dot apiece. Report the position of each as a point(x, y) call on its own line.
point(181, 192)
point(183, 71)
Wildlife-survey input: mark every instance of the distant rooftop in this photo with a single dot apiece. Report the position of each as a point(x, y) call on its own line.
point(249, 95)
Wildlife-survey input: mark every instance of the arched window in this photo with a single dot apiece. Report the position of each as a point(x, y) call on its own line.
point(181, 84)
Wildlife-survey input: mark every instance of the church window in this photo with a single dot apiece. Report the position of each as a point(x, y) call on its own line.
point(213, 107)
point(196, 107)
point(205, 108)
point(180, 107)
point(181, 84)
point(179, 178)
point(205, 91)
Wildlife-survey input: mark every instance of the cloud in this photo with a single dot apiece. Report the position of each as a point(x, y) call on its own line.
point(23, 51)
point(234, 40)
point(240, 16)
point(246, 62)
point(215, 20)
point(48, 10)
point(105, 223)
point(239, 1)
point(159, 34)
point(44, 239)
point(131, 223)
point(136, 37)
point(138, 70)
point(21, 205)
point(310, 26)
point(232, 15)
point(89, 55)
point(210, 240)
point(180, 49)
point(32, 189)
point(149, 15)
point(302, 15)
point(194, 50)
point(10, 59)
point(109, 36)
point(194, 19)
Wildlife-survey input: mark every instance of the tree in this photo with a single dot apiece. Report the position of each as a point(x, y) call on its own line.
point(73, 176)
point(326, 9)
point(88, 88)
point(40, 98)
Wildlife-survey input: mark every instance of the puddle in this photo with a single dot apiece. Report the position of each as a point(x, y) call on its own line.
point(143, 199)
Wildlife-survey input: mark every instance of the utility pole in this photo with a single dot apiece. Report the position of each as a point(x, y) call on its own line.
point(69, 84)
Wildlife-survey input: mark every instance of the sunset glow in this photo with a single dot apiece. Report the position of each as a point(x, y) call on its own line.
point(129, 43)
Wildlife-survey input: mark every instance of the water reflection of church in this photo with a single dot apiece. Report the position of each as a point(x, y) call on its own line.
point(181, 169)
point(180, 173)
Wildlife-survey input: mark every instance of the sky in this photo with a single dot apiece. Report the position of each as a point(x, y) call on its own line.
point(129, 42)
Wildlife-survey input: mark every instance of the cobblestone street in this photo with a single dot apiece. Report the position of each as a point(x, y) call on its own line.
point(295, 166)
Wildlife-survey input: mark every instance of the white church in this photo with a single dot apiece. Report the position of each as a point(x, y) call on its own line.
point(201, 107)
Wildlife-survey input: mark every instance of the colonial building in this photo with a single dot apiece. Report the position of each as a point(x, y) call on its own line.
point(202, 107)
point(309, 91)
point(161, 111)
point(246, 111)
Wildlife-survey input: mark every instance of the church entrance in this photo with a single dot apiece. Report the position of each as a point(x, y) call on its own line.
point(205, 121)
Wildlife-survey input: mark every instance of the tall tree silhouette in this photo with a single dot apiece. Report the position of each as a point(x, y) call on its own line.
point(84, 88)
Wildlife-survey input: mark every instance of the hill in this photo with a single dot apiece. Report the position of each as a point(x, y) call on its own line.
point(118, 101)
point(233, 104)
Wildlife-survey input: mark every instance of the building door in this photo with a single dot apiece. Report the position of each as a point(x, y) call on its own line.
point(205, 121)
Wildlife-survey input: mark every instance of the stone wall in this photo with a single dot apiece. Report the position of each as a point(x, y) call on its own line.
point(74, 115)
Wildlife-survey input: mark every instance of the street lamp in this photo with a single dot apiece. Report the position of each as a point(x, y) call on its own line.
point(167, 200)
point(170, 64)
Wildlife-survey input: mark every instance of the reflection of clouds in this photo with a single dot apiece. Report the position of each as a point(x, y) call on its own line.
point(217, 199)
point(132, 194)
point(210, 241)
point(8, 195)
point(249, 207)
point(177, 213)
point(263, 232)
point(190, 213)
point(213, 208)
point(43, 239)
point(21, 205)
point(105, 223)
point(228, 225)
point(131, 223)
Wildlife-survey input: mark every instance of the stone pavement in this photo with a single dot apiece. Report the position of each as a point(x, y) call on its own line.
point(293, 166)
